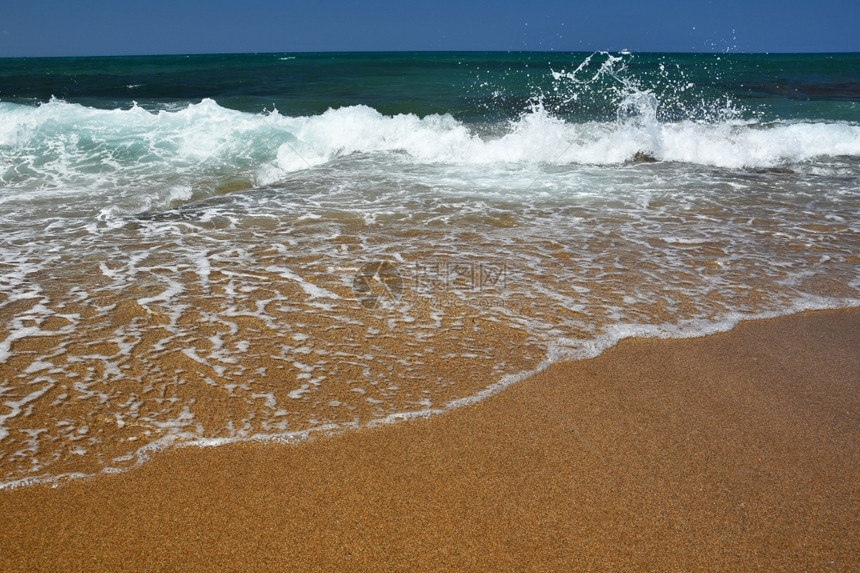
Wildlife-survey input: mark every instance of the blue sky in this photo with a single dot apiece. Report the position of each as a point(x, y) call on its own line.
point(101, 27)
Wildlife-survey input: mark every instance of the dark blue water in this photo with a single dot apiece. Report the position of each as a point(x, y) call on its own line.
point(470, 86)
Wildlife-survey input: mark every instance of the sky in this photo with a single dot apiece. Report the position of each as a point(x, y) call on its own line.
point(103, 27)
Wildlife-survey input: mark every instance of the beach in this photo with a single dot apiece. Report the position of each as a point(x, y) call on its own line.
point(452, 310)
point(736, 451)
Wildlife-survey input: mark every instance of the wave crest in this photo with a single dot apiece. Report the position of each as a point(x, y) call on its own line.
point(60, 144)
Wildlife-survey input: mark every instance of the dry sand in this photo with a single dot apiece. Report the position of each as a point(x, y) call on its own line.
point(733, 452)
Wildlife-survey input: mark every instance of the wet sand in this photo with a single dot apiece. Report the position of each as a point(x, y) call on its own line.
point(738, 451)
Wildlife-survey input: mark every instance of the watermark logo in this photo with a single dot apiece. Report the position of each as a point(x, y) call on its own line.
point(377, 282)
point(433, 284)
point(458, 276)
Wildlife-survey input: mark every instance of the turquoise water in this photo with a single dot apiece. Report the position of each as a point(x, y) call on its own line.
point(196, 250)
point(470, 86)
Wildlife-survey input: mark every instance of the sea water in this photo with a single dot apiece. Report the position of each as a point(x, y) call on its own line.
point(197, 250)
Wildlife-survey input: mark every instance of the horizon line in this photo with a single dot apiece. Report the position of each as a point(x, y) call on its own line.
point(473, 51)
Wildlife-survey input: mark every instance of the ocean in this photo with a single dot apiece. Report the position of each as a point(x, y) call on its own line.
point(205, 249)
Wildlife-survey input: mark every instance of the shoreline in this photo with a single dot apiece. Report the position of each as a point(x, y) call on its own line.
point(735, 450)
point(592, 351)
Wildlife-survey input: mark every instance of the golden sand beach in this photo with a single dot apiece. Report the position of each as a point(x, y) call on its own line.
point(734, 452)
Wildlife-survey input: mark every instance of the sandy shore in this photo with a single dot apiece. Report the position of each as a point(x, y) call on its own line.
point(734, 452)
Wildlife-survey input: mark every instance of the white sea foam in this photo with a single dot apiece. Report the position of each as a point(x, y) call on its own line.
point(538, 137)
point(66, 146)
